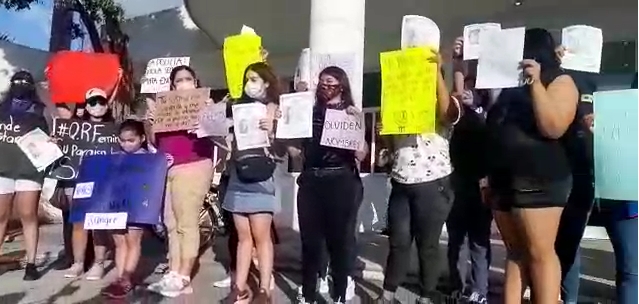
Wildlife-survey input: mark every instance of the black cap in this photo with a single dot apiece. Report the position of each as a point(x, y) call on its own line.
point(23, 75)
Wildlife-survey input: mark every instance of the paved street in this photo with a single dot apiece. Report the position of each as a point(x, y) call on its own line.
point(597, 278)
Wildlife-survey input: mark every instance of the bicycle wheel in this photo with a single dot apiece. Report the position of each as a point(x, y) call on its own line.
point(206, 226)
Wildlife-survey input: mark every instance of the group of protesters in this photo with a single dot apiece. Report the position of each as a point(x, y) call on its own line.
point(519, 156)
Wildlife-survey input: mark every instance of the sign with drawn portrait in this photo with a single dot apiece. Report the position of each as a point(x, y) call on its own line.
point(419, 31)
point(297, 115)
point(472, 32)
point(246, 126)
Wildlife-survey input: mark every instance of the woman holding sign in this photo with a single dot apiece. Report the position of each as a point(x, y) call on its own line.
point(20, 182)
point(529, 174)
point(330, 192)
point(250, 194)
point(188, 181)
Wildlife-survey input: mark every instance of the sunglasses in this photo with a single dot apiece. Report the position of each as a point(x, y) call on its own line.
point(92, 102)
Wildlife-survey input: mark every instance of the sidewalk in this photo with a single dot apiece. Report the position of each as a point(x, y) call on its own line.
point(53, 288)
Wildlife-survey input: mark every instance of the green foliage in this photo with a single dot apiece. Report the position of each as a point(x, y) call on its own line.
point(17, 4)
point(103, 10)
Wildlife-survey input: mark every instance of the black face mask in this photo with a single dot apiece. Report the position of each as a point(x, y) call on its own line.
point(22, 90)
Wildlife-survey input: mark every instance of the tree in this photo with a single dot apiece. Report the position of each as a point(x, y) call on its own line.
point(17, 4)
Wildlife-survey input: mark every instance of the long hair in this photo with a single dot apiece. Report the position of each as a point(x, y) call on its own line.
point(268, 75)
point(179, 68)
point(342, 78)
point(540, 46)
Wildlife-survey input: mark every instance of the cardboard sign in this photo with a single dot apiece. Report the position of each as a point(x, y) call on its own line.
point(156, 77)
point(409, 82)
point(615, 144)
point(131, 184)
point(72, 74)
point(179, 110)
point(342, 130)
point(240, 51)
point(78, 139)
point(14, 163)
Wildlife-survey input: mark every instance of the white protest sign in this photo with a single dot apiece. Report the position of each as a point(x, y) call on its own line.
point(342, 130)
point(583, 46)
point(247, 30)
point(246, 126)
point(345, 61)
point(158, 70)
point(83, 190)
point(500, 56)
point(213, 121)
point(419, 31)
point(39, 149)
point(303, 70)
point(48, 188)
point(297, 115)
point(105, 221)
point(471, 38)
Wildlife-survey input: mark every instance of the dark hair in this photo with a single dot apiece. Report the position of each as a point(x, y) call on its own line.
point(342, 78)
point(108, 116)
point(540, 46)
point(39, 106)
point(132, 125)
point(179, 68)
point(266, 73)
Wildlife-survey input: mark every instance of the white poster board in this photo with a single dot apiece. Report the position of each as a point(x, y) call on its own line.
point(297, 115)
point(158, 70)
point(419, 31)
point(471, 38)
point(303, 70)
point(500, 56)
point(583, 46)
point(246, 126)
point(342, 130)
point(212, 120)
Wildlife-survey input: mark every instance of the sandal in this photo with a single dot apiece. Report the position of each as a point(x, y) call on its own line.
point(263, 297)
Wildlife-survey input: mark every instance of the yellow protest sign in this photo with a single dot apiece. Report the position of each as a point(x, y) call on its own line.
point(409, 99)
point(240, 51)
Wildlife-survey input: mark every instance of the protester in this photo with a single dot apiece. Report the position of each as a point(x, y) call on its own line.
point(128, 242)
point(97, 110)
point(250, 194)
point(529, 174)
point(79, 111)
point(469, 216)
point(22, 188)
point(420, 200)
point(188, 181)
point(330, 193)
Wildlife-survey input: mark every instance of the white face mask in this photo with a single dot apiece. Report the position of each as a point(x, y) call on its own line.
point(255, 86)
point(185, 85)
point(97, 110)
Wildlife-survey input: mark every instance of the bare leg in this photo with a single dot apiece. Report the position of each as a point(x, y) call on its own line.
point(244, 250)
point(261, 231)
point(100, 245)
point(121, 252)
point(134, 245)
point(79, 239)
point(516, 274)
point(6, 204)
point(539, 229)
point(27, 207)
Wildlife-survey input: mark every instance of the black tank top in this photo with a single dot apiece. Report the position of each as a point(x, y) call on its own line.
point(318, 156)
point(515, 145)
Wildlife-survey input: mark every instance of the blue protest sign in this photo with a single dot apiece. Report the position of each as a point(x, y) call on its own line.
point(615, 144)
point(131, 184)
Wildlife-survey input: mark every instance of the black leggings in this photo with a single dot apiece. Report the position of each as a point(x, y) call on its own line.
point(327, 206)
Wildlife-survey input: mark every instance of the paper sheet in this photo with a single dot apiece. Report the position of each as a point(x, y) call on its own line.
point(419, 31)
point(342, 130)
point(583, 45)
point(500, 55)
point(213, 121)
point(471, 38)
point(246, 125)
point(297, 115)
point(37, 146)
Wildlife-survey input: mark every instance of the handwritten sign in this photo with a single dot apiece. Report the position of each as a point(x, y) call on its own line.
point(105, 221)
point(615, 144)
point(240, 51)
point(471, 38)
point(419, 31)
point(14, 163)
point(584, 45)
point(347, 62)
point(179, 110)
point(156, 77)
point(500, 55)
point(132, 184)
point(409, 82)
point(342, 130)
point(246, 126)
point(78, 139)
point(213, 120)
point(297, 115)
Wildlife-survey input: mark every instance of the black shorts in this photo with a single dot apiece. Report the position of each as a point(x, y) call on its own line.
point(525, 192)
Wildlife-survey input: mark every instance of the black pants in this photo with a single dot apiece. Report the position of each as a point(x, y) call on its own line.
point(470, 218)
point(327, 206)
point(417, 211)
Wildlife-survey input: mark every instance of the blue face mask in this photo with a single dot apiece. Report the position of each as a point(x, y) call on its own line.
point(19, 106)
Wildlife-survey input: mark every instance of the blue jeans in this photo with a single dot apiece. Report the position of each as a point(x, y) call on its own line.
point(623, 236)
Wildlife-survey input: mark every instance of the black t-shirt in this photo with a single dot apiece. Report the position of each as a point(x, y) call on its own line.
point(515, 145)
point(579, 139)
point(467, 151)
point(318, 156)
point(14, 164)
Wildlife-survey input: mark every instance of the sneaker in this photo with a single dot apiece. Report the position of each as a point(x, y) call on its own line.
point(96, 272)
point(31, 272)
point(350, 289)
point(175, 287)
point(224, 283)
point(159, 285)
point(323, 285)
point(74, 271)
point(118, 289)
point(477, 298)
point(162, 268)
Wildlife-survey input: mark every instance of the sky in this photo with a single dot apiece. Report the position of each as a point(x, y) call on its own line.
point(30, 27)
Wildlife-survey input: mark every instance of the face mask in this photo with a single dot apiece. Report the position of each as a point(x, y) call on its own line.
point(328, 92)
point(185, 85)
point(97, 110)
point(22, 90)
point(20, 106)
point(255, 90)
